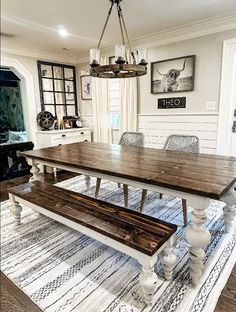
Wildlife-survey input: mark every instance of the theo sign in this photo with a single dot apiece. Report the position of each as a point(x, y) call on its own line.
point(177, 102)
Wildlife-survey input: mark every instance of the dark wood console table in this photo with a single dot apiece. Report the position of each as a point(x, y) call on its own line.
point(12, 165)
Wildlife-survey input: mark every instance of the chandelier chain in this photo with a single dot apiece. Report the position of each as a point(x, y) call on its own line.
point(122, 67)
point(121, 28)
point(105, 25)
point(126, 33)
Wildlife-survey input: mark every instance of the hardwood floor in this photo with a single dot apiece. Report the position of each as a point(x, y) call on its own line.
point(227, 300)
point(14, 300)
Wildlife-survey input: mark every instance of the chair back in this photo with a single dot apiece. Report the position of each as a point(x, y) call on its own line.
point(183, 143)
point(132, 139)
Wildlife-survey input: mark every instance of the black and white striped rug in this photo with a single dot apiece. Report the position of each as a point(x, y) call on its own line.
point(63, 270)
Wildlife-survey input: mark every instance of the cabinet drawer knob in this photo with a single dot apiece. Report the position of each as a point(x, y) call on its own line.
point(81, 132)
point(63, 135)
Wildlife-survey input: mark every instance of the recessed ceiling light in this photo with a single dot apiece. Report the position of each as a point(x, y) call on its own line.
point(63, 32)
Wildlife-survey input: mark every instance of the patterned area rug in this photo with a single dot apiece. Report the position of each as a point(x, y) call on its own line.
point(63, 270)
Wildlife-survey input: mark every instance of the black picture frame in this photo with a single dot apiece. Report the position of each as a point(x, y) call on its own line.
point(173, 75)
point(68, 96)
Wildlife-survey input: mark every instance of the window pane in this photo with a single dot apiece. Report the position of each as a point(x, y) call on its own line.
point(60, 110)
point(50, 108)
point(115, 94)
point(70, 110)
point(59, 85)
point(69, 86)
point(57, 71)
point(48, 98)
point(60, 98)
point(68, 73)
point(46, 70)
point(115, 120)
point(47, 84)
point(70, 98)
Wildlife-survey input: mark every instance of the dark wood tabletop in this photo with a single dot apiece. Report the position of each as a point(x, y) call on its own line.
point(200, 174)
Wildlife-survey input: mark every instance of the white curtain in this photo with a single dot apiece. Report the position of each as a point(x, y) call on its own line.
point(101, 111)
point(128, 105)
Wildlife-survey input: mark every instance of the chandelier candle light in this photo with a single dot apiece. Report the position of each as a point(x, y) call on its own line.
point(122, 69)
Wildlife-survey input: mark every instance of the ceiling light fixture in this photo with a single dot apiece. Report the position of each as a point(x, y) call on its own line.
point(63, 32)
point(122, 68)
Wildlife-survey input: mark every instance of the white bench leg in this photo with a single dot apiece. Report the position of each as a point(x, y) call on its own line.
point(168, 259)
point(148, 280)
point(16, 211)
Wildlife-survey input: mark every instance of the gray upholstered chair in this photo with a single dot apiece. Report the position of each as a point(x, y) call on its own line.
point(182, 143)
point(130, 139)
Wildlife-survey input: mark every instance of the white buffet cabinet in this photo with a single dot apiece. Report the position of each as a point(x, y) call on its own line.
point(65, 136)
point(49, 138)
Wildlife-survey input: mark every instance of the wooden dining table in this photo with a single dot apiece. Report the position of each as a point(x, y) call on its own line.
point(197, 178)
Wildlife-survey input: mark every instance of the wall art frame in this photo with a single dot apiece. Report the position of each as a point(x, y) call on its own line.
point(173, 75)
point(86, 88)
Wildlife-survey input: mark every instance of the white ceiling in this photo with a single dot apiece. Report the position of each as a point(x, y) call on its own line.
point(36, 22)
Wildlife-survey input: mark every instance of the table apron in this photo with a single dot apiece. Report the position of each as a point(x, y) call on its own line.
point(192, 199)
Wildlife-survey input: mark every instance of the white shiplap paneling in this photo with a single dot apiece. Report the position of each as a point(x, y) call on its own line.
point(157, 128)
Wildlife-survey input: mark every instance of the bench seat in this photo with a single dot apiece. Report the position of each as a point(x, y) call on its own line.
point(140, 236)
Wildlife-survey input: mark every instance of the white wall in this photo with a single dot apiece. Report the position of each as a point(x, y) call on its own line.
point(85, 106)
point(26, 70)
point(208, 51)
point(195, 119)
point(31, 98)
point(30, 64)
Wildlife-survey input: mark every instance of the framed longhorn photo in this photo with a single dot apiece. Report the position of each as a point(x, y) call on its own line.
point(173, 75)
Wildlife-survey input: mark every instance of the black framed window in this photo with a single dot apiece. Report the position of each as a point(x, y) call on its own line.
point(57, 84)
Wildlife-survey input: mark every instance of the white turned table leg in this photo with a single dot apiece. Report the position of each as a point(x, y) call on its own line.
point(148, 281)
point(35, 172)
point(168, 259)
point(198, 237)
point(87, 181)
point(230, 200)
point(16, 211)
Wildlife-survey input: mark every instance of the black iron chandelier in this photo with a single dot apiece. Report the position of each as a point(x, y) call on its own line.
point(122, 68)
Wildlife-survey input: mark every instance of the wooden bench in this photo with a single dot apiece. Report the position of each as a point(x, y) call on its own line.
point(139, 236)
